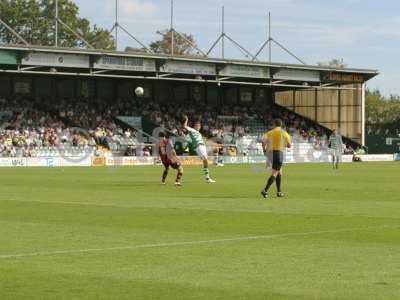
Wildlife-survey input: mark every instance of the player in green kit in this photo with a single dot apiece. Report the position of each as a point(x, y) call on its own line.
point(195, 139)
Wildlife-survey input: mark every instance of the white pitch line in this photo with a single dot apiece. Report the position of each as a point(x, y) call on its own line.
point(189, 243)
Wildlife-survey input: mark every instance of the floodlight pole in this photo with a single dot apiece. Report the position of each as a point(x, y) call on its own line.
point(172, 28)
point(289, 52)
point(77, 35)
point(182, 36)
point(269, 37)
point(246, 52)
point(174, 33)
point(116, 25)
point(222, 37)
point(271, 40)
point(223, 32)
point(363, 90)
point(135, 39)
point(56, 28)
point(59, 21)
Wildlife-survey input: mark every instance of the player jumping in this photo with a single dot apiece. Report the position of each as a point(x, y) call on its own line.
point(336, 147)
point(274, 142)
point(169, 158)
point(194, 137)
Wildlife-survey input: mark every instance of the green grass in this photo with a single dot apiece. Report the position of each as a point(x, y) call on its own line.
point(115, 233)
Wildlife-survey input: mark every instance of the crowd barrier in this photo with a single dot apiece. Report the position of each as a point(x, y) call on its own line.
point(109, 161)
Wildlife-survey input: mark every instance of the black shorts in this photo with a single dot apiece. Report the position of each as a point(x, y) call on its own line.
point(277, 160)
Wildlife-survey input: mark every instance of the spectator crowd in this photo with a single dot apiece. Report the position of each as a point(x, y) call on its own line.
point(28, 127)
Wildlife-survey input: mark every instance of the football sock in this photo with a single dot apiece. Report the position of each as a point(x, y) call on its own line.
point(206, 173)
point(164, 175)
point(179, 176)
point(269, 183)
point(278, 183)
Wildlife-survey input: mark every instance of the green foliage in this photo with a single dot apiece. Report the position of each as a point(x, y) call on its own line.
point(381, 111)
point(34, 20)
point(184, 44)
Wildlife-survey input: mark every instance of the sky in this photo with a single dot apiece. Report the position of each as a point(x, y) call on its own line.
point(365, 33)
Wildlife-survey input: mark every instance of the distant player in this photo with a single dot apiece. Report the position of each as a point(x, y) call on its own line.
point(336, 148)
point(219, 155)
point(274, 143)
point(195, 139)
point(169, 158)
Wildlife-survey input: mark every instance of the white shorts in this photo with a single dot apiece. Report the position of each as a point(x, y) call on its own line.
point(336, 152)
point(201, 151)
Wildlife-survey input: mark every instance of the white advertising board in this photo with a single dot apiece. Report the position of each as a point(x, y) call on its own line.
point(56, 60)
point(298, 75)
point(55, 161)
point(12, 162)
point(184, 67)
point(128, 161)
point(245, 71)
point(125, 63)
point(377, 157)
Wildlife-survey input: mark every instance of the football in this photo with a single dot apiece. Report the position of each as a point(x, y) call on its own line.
point(139, 91)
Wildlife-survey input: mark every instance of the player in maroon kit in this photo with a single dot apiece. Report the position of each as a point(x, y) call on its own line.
point(169, 158)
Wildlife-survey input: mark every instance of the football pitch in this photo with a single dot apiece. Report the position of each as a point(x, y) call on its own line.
point(116, 233)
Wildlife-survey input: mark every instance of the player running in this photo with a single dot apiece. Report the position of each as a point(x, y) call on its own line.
point(336, 147)
point(169, 158)
point(195, 139)
point(274, 143)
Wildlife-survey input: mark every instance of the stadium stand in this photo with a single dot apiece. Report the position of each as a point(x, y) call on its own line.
point(32, 128)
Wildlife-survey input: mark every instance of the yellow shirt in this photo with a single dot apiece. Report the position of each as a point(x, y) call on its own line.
point(277, 139)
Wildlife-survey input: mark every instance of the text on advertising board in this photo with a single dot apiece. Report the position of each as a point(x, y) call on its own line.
point(126, 63)
point(183, 67)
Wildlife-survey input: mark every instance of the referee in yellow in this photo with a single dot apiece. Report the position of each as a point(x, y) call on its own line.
point(274, 143)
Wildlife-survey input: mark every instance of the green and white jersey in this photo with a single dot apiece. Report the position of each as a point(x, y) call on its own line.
point(194, 138)
point(336, 142)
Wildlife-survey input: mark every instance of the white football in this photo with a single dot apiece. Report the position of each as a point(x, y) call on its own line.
point(139, 91)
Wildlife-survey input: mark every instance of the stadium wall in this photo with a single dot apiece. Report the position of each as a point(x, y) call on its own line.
point(331, 108)
point(382, 143)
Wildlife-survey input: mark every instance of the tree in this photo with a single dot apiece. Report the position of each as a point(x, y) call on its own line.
point(374, 102)
point(34, 20)
point(100, 38)
point(382, 112)
point(333, 63)
point(184, 44)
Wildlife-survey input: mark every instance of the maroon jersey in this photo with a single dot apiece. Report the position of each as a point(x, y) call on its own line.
point(167, 153)
point(162, 150)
